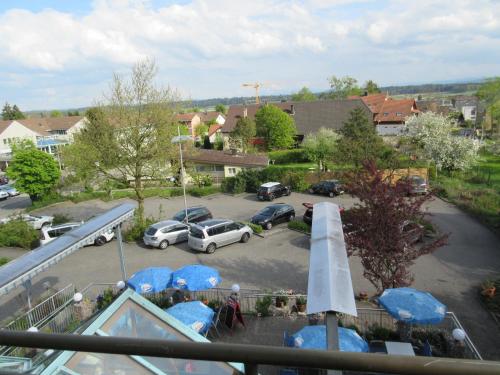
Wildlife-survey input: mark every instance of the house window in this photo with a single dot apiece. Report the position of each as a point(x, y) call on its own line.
point(5, 141)
point(231, 170)
point(219, 168)
point(386, 113)
point(399, 114)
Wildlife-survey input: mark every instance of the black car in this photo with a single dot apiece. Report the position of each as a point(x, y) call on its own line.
point(273, 214)
point(195, 214)
point(271, 190)
point(329, 187)
point(308, 215)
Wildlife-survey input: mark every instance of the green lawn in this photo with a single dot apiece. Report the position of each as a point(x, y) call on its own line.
point(476, 191)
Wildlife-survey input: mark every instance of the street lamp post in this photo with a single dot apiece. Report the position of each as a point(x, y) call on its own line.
point(180, 139)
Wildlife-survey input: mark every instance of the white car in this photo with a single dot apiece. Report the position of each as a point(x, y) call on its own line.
point(11, 190)
point(50, 233)
point(36, 222)
point(3, 195)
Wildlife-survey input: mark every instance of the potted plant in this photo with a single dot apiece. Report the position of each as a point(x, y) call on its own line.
point(489, 289)
point(262, 305)
point(281, 300)
point(301, 303)
point(214, 304)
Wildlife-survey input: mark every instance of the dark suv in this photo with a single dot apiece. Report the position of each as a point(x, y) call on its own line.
point(273, 214)
point(271, 190)
point(329, 187)
point(195, 214)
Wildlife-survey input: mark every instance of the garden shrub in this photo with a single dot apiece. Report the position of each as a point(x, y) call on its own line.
point(296, 180)
point(18, 233)
point(234, 185)
point(288, 156)
point(4, 260)
point(61, 219)
point(136, 231)
point(255, 227)
point(253, 179)
point(377, 332)
point(300, 226)
point(262, 305)
point(203, 191)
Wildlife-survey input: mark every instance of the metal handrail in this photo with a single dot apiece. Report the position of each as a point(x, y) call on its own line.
point(251, 355)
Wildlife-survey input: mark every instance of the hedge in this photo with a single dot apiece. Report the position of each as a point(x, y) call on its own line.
point(18, 233)
point(300, 226)
point(288, 156)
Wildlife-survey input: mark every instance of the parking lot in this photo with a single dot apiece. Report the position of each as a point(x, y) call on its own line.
point(281, 258)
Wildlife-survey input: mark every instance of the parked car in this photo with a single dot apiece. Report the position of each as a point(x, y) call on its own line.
point(328, 187)
point(273, 214)
point(415, 184)
point(37, 222)
point(195, 214)
point(166, 233)
point(211, 234)
point(50, 233)
point(3, 195)
point(9, 189)
point(271, 190)
point(308, 215)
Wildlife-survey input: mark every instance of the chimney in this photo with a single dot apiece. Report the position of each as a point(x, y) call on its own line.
point(245, 112)
point(292, 109)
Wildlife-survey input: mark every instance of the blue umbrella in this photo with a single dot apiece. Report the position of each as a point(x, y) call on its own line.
point(194, 314)
point(150, 280)
point(195, 277)
point(412, 306)
point(314, 337)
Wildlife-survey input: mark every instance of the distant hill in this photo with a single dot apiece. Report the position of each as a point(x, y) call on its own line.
point(441, 89)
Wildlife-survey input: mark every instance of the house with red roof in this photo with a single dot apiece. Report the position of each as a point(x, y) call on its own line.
point(388, 114)
point(193, 119)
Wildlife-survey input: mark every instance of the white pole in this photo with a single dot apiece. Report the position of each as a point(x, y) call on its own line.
point(182, 176)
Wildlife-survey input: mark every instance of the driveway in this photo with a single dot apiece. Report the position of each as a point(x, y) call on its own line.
point(281, 259)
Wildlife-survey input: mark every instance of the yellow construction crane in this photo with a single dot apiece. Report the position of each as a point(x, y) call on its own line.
point(256, 86)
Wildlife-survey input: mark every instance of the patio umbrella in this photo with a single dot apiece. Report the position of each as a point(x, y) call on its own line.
point(150, 280)
point(194, 314)
point(314, 337)
point(195, 277)
point(412, 306)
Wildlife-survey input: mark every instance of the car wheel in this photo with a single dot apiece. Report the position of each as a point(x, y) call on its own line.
point(331, 194)
point(245, 237)
point(291, 217)
point(163, 245)
point(211, 248)
point(99, 241)
point(45, 225)
point(288, 193)
point(269, 225)
point(271, 197)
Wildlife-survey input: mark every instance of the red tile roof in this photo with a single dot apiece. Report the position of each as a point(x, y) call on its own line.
point(209, 116)
point(396, 110)
point(213, 128)
point(186, 117)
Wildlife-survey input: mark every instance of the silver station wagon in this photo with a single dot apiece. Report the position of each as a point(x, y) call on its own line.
point(211, 234)
point(165, 233)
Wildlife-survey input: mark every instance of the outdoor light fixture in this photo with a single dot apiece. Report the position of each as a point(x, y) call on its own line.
point(458, 334)
point(235, 288)
point(78, 297)
point(120, 284)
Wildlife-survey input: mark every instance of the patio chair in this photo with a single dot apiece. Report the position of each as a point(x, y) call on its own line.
point(215, 322)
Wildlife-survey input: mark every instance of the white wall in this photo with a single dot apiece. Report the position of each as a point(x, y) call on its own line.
point(231, 170)
point(386, 129)
point(15, 132)
point(469, 112)
point(220, 120)
point(75, 128)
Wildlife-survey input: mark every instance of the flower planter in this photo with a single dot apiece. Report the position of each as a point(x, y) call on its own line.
point(301, 307)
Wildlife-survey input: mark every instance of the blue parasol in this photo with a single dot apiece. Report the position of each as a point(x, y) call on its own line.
point(314, 337)
point(195, 277)
point(150, 280)
point(412, 306)
point(194, 314)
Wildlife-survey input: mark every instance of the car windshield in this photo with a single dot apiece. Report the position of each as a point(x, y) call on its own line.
point(151, 231)
point(268, 211)
point(179, 216)
point(195, 232)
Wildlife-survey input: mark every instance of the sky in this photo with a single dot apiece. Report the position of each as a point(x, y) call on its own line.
point(58, 54)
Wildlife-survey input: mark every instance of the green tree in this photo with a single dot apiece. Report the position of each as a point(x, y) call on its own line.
point(219, 142)
point(221, 108)
point(56, 113)
point(321, 146)
point(12, 113)
point(360, 141)
point(276, 127)
point(201, 130)
point(244, 132)
point(371, 87)
point(304, 95)
point(35, 172)
point(489, 92)
point(129, 136)
point(342, 87)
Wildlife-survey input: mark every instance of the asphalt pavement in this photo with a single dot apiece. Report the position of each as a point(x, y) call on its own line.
point(281, 259)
